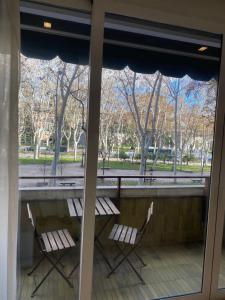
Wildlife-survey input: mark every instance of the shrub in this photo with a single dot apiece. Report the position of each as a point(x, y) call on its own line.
point(123, 155)
point(188, 158)
point(137, 156)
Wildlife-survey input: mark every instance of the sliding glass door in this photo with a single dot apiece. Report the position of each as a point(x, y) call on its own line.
point(156, 147)
point(122, 146)
point(52, 148)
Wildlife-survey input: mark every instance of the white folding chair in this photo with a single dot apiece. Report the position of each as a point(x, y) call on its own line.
point(131, 237)
point(50, 243)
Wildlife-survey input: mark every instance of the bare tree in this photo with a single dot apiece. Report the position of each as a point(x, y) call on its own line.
point(35, 94)
point(141, 106)
point(174, 87)
point(111, 116)
point(162, 127)
point(66, 77)
point(188, 127)
point(22, 121)
point(205, 94)
point(73, 124)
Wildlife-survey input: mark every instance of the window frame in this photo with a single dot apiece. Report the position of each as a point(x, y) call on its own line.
point(217, 204)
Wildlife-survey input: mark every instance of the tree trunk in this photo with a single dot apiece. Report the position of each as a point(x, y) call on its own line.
point(144, 151)
point(75, 150)
point(133, 155)
point(138, 147)
point(57, 146)
point(36, 152)
point(56, 154)
point(68, 144)
point(181, 160)
point(156, 157)
point(19, 139)
point(206, 158)
point(118, 152)
point(59, 115)
point(175, 129)
point(157, 147)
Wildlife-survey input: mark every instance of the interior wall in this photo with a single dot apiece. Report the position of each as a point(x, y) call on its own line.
point(201, 14)
point(175, 221)
point(70, 4)
point(203, 9)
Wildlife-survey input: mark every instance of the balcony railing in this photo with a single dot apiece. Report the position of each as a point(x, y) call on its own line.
point(118, 184)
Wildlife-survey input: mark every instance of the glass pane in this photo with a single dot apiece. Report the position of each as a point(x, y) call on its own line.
point(155, 153)
point(52, 143)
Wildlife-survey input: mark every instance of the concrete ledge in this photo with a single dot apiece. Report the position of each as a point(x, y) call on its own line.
point(163, 191)
point(61, 193)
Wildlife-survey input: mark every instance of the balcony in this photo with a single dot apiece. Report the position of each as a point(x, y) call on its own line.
point(172, 248)
point(170, 270)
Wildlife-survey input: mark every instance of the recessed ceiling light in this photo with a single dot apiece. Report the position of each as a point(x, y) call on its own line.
point(202, 49)
point(47, 25)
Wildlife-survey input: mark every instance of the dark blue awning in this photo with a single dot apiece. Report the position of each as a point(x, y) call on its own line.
point(143, 53)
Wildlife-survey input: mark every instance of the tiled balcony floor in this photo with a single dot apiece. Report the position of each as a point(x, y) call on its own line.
point(170, 271)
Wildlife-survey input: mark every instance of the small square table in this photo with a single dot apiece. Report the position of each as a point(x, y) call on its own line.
point(103, 207)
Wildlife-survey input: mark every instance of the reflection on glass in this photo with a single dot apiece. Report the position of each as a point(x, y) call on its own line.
point(159, 126)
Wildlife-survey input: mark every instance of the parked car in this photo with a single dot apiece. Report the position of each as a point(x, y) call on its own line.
point(25, 148)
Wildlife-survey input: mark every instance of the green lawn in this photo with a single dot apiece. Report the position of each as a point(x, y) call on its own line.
point(114, 164)
point(45, 160)
point(126, 165)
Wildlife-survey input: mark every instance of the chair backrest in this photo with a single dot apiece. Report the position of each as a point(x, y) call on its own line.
point(149, 214)
point(31, 217)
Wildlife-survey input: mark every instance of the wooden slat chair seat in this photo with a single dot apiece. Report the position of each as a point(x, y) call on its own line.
point(50, 243)
point(130, 236)
point(123, 234)
point(57, 240)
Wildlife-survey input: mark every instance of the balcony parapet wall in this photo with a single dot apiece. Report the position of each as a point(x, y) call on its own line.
point(179, 213)
point(62, 193)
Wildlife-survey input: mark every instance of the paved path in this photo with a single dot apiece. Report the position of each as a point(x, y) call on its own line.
point(74, 169)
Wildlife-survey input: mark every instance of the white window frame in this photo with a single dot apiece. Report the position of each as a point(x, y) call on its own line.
point(219, 294)
point(93, 119)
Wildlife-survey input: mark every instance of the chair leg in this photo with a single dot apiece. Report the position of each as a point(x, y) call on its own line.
point(103, 255)
point(73, 270)
point(103, 228)
point(135, 271)
point(140, 259)
point(54, 266)
point(121, 251)
point(60, 263)
point(120, 262)
point(125, 257)
point(36, 266)
point(117, 256)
